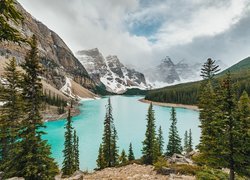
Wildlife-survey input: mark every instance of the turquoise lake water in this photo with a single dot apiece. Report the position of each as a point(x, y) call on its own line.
point(130, 121)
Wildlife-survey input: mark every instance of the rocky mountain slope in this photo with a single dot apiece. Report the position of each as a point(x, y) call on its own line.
point(110, 71)
point(57, 59)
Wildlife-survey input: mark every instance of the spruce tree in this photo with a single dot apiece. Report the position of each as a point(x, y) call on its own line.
point(131, 156)
point(10, 116)
point(230, 123)
point(68, 167)
point(210, 125)
point(114, 148)
point(33, 161)
point(209, 69)
point(160, 142)
point(123, 158)
point(76, 151)
point(149, 151)
point(8, 12)
point(174, 141)
point(109, 140)
point(100, 160)
point(185, 147)
point(190, 141)
point(243, 166)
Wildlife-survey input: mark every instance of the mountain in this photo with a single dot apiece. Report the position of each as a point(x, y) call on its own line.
point(57, 59)
point(187, 70)
point(110, 72)
point(168, 73)
point(164, 72)
point(240, 66)
point(187, 93)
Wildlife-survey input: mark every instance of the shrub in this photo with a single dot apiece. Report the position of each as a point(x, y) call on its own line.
point(186, 169)
point(161, 162)
point(211, 174)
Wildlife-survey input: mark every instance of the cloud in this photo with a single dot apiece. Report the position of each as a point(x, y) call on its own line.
point(145, 31)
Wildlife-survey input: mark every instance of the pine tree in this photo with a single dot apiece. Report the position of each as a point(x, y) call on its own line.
point(10, 116)
point(209, 69)
point(76, 151)
point(131, 156)
point(114, 148)
point(229, 142)
point(100, 160)
point(34, 160)
point(110, 149)
point(68, 167)
point(210, 126)
point(149, 150)
point(243, 166)
point(185, 147)
point(190, 141)
point(174, 142)
point(160, 142)
point(8, 12)
point(123, 158)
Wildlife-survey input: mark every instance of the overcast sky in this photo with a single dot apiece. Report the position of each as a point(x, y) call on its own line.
point(142, 32)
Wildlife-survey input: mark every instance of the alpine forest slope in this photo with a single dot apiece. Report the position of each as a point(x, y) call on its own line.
point(187, 93)
point(57, 59)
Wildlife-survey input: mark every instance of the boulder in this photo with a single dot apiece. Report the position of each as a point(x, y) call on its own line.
point(179, 159)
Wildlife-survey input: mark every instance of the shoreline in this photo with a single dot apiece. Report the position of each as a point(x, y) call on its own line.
point(185, 106)
point(49, 116)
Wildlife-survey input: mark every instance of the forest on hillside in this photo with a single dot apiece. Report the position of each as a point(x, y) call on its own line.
point(188, 93)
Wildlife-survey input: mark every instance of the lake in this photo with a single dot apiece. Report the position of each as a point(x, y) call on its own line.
point(130, 121)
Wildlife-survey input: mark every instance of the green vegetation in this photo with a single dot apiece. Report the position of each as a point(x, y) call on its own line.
point(135, 91)
point(10, 114)
point(68, 162)
point(71, 149)
point(224, 129)
point(174, 140)
point(188, 142)
point(76, 151)
point(149, 151)
point(188, 93)
point(8, 12)
point(131, 156)
point(211, 174)
point(108, 151)
point(100, 159)
point(159, 142)
point(123, 158)
point(28, 155)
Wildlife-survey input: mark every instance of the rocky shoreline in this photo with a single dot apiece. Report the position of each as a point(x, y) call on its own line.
point(185, 106)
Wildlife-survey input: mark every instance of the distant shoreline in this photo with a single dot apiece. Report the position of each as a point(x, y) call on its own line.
point(191, 107)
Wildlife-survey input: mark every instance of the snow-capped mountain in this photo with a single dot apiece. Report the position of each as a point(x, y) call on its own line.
point(164, 72)
point(110, 71)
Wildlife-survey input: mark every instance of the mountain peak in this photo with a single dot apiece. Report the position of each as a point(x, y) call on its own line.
point(89, 51)
point(167, 61)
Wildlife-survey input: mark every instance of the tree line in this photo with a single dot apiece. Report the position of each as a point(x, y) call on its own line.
point(188, 93)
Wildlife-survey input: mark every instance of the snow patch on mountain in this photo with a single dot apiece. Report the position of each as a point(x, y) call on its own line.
point(67, 88)
point(110, 72)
